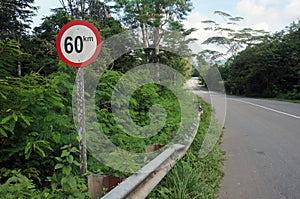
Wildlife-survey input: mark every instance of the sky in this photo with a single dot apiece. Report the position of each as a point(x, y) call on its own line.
point(269, 15)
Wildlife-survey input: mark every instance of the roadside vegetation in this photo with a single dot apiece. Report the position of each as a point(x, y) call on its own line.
point(254, 63)
point(39, 153)
point(192, 176)
point(268, 69)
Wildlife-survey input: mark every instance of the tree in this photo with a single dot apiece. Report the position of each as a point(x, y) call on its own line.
point(157, 23)
point(152, 17)
point(16, 16)
point(15, 21)
point(41, 45)
point(97, 10)
point(230, 37)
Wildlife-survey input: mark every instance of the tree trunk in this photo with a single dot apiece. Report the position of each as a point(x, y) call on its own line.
point(71, 7)
point(157, 37)
point(82, 7)
point(105, 11)
point(144, 34)
point(143, 27)
point(19, 63)
point(19, 69)
point(156, 40)
point(156, 28)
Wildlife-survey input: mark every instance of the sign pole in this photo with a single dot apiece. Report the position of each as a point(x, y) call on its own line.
point(78, 44)
point(81, 121)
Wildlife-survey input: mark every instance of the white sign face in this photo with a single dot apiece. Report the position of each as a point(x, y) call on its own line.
point(78, 43)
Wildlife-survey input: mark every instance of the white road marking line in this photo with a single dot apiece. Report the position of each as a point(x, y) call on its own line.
point(270, 109)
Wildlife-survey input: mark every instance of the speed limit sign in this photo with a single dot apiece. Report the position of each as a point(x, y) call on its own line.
point(78, 43)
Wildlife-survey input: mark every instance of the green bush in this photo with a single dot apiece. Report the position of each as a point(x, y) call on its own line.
point(35, 121)
point(18, 186)
point(66, 181)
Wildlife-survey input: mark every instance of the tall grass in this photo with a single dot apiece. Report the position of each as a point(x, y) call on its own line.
point(194, 177)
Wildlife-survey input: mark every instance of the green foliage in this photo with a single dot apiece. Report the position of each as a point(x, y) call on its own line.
point(30, 130)
point(52, 24)
point(40, 57)
point(193, 177)
point(36, 146)
point(183, 181)
point(65, 183)
point(18, 186)
point(150, 12)
point(15, 17)
point(140, 103)
point(9, 54)
point(37, 131)
point(157, 17)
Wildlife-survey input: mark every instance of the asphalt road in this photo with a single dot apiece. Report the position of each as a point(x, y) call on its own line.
point(262, 144)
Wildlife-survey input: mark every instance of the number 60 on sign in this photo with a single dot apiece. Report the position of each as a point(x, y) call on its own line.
point(78, 43)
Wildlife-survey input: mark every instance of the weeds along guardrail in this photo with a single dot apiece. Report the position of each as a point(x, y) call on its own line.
point(139, 185)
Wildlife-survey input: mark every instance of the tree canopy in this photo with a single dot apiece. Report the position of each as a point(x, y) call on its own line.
point(267, 69)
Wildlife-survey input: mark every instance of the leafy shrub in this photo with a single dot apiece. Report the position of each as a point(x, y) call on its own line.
point(66, 182)
point(18, 186)
point(35, 121)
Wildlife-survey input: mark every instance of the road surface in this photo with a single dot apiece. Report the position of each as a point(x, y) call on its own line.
point(262, 144)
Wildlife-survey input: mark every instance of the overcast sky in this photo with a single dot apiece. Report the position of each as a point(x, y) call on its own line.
point(270, 15)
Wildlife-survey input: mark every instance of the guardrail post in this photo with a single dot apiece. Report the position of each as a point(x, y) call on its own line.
point(153, 148)
point(95, 185)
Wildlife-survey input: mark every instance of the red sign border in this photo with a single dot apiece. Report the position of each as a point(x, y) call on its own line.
point(64, 29)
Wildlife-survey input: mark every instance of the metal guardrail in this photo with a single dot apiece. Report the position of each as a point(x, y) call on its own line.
point(128, 186)
point(139, 185)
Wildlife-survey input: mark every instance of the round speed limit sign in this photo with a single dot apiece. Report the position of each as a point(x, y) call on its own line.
point(78, 43)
